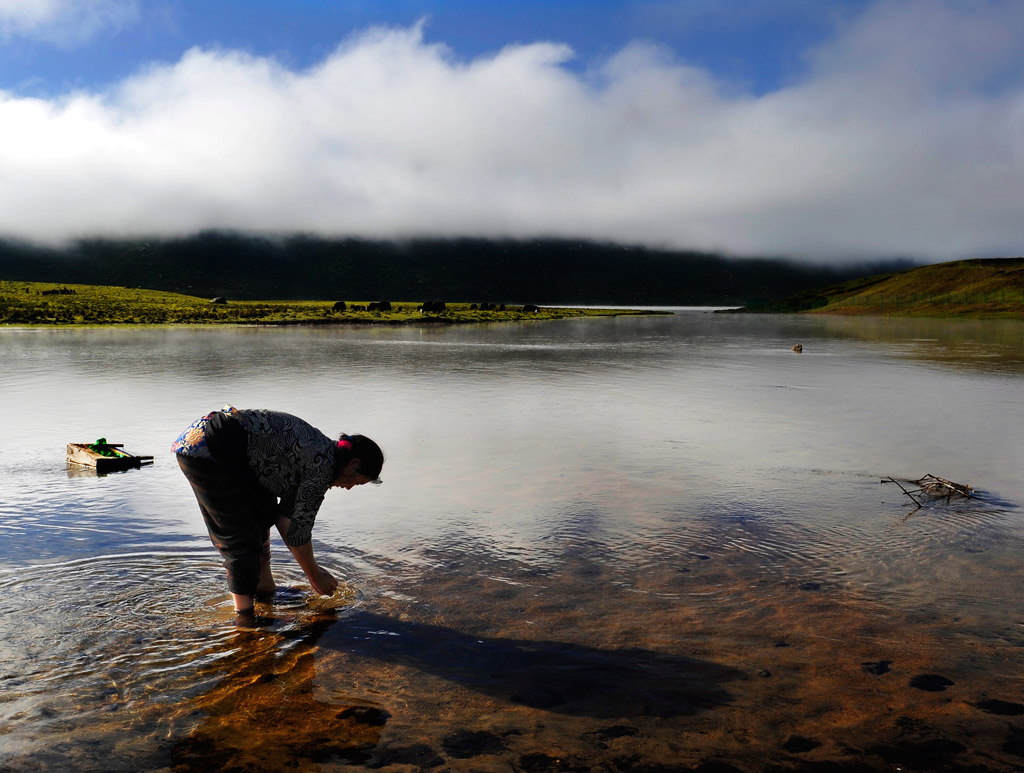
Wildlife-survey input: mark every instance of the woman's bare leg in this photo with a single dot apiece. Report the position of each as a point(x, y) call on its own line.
point(243, 603)
point(266, 585)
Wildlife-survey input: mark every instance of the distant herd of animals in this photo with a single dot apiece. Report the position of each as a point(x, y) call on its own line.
point(427, 307)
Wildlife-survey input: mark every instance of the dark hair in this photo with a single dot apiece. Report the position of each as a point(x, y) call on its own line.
point(371, 458)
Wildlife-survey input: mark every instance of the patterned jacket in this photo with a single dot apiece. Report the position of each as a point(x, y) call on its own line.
point(290, 459)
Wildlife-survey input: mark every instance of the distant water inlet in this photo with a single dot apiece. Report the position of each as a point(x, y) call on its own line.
point(614, 544)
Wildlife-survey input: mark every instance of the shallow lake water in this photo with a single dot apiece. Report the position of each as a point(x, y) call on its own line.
point(632, 544)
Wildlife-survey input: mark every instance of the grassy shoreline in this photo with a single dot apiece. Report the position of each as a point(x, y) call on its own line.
point(49, 304)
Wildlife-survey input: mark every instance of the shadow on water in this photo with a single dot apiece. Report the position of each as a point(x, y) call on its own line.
point(554, 676)
point(269, 684)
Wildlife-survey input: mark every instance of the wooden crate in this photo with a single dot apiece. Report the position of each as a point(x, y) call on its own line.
point(115, 460)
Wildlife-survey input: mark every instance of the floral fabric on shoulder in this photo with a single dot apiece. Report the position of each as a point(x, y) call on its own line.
point(192, 442)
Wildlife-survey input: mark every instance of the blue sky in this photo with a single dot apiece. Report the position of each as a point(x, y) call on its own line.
point(817, 129)
point(757, 43)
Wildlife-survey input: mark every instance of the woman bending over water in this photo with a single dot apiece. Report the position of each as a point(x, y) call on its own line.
point(253, 469)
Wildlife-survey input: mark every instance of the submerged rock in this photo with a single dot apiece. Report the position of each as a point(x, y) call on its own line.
point(1002, 708)
point(931, 682)
point(468, 743)
point(798, 744)
point(877, 667)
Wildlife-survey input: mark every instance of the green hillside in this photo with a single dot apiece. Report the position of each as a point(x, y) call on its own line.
point(982, 288)
point(37, 303)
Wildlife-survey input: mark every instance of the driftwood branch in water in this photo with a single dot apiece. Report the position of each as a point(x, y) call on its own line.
point(935, 487)
point(893, 480)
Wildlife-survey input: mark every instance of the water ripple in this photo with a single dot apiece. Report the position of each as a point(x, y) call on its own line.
point(140, 623)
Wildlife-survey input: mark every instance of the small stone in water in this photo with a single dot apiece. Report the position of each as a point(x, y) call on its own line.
point(797, 744)
point(931, 682)
point(465, 744)
point(1002, 708)
point(877, 667)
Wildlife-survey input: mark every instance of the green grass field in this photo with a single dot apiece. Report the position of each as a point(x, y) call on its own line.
point(36, 303)
point(983, 288)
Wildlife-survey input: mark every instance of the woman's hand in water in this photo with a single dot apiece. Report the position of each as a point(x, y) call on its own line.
point(323, 582)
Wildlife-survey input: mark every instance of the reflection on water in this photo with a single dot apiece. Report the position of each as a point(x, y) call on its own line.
point(269, 691)
point(602, 544)
point(980, 344)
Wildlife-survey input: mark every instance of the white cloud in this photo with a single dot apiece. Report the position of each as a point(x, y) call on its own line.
point(905, 138)
point(63, 22)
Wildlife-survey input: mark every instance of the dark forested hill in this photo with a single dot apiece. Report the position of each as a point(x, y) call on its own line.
point(540, 271)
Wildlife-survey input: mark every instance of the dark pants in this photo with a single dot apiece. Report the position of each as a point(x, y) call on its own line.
point(232, 519)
